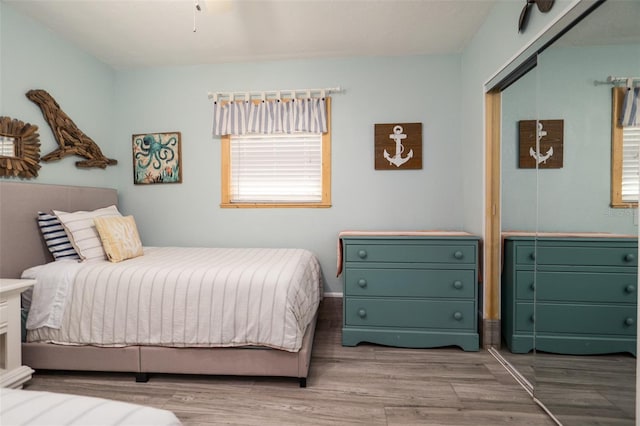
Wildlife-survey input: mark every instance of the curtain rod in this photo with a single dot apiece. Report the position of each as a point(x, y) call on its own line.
point(276, 93)
point(617, 80)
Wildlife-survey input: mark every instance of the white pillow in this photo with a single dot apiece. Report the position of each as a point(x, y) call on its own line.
point(82, 231)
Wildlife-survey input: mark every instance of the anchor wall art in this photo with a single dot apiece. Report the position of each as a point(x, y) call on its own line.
point(551, 136)
point(398, 146)
point(157, 158)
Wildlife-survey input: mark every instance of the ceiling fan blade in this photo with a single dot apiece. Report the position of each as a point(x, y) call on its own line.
point(544, 5)
point(524, 18)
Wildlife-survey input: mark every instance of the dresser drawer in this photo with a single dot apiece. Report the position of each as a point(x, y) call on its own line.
point(524, 285)
point(408, 313)
point(577, 256)
point(448, 283)
point(559, 318)
point(598, 287)
point(524, 317)
point(411, 253)
point(585, 319)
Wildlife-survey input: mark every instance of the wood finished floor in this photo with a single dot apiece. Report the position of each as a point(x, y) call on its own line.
point(366, 385)
point(582, 390)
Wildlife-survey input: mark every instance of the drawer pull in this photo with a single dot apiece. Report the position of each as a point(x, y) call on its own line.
point(457, 284)
point(532, 318)
point(532, 286)
point(362, 282)
point(532, 256)
point(458, 255)
point(629, 257)
point(457, 316)
point(362, 313)
point(630, 288)
point(362, 254)
point(629, 321)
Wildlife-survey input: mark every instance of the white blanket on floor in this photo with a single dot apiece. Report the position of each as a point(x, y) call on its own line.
point(24, 407)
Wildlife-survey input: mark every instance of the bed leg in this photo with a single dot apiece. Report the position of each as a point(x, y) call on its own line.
point(303, 382)
point(142, 377)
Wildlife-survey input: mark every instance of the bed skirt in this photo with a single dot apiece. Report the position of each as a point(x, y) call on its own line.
point(145, 360)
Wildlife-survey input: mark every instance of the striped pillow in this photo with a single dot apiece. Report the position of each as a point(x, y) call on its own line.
point(54, 236)
point(82, 232)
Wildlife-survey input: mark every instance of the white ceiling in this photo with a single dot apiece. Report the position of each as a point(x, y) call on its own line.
point(146, 33)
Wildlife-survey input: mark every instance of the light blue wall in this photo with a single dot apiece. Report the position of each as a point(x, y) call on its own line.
point(377, 90)
point(495, 44)
point(445, 93)
point(110, 106)
point(519, 195)
point(34, 58)
point(577, 196)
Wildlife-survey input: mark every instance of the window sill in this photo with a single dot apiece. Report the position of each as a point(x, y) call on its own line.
point(622, 205)
point(275, 205)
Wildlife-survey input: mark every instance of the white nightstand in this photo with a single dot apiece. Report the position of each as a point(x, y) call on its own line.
point(12, 373)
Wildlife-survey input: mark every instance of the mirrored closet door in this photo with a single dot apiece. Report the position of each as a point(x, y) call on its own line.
point(569, 286)
point(586, 251)
point(519, 221)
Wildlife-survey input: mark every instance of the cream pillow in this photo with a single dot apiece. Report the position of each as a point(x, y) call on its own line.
point(120, 238)
point(82, 232)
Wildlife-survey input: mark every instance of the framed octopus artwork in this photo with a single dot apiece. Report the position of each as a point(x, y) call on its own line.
point(157, 158)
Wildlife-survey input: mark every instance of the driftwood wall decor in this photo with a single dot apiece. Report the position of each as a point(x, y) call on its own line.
point(71, 140)
point(19, 148)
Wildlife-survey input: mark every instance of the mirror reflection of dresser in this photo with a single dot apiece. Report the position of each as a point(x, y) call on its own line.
point(569, 277)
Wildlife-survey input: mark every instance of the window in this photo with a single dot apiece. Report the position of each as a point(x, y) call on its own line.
point(277, 170)
point(625, 146)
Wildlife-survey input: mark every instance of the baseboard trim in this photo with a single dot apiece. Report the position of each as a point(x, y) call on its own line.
point(490, 333)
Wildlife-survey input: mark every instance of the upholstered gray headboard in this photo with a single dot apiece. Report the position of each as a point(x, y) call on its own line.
point(21, 245)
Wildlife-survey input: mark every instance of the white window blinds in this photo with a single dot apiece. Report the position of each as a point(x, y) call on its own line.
point(630, 164)
point(280, 168)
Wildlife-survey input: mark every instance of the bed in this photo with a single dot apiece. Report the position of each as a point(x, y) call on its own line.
point(23, 407)
point(168, 327)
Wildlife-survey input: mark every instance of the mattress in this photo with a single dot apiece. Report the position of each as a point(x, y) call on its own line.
point(184, 297)
point(24, 407)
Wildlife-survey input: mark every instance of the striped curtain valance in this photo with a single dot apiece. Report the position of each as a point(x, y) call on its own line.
point(630, 114)
point(270, 116)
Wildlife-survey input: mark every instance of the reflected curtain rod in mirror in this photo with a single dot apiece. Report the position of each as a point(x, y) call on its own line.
point(618, 80)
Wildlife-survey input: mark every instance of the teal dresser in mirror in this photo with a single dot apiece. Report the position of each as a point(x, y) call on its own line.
point(585, 293)
point(413, 290)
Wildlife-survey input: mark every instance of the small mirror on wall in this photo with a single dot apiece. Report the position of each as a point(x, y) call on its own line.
point(19, 148)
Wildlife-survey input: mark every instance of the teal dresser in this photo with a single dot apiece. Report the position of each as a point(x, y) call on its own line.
point(585, 294)
point(411, 291)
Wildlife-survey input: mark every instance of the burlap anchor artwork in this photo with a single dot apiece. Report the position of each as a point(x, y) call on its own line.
point(398, 146)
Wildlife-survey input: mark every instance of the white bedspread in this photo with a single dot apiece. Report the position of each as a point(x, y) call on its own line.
point(24, 407)
point(191, 297)
point(49, 297)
